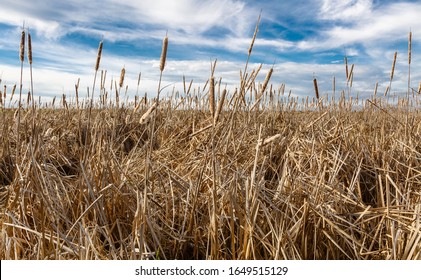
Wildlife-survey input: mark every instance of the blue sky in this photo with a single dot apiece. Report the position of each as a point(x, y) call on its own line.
point(301, 39)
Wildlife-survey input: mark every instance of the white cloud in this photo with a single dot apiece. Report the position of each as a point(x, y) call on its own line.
point(345, 10)
point(387, 24)
point(191, 16)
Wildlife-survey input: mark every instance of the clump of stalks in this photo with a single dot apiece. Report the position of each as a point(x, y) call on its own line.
point(198, 178)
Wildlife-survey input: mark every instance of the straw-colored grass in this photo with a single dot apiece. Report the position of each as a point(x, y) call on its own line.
point(315, 185)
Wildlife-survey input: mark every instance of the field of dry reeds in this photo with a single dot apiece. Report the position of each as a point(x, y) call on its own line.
point(211, 174)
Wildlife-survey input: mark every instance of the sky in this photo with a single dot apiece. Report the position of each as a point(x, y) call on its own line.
point(301, 40)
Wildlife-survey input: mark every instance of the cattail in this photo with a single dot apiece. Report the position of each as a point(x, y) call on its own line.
point(220, 105)
point(98, 58)
point(212, 96)
point(191, 83)
point(254, 36)
point(13, 92)
point(419, 88)
point(316, 88)
point(1, 95)
point(386, 91)
point(409, 60)
point(77, 92)
point(351, 72)
point(346, 67)
point(29, 48)
point(123, 72)
point(393, 66)
point(265, 83)
point(22, 47)
point(163, 54)
point(375, 88)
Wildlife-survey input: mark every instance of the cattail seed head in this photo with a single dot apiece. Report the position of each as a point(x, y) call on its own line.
point(265, 83)
point(123, 72)
point(393, 65)
point(316, 88)
point(163, 54)
point(220, 105)
point(29, 48)
point(212, 96)
point(346, 68)
point(22, 47)
point(254, 36)
point(98, 58)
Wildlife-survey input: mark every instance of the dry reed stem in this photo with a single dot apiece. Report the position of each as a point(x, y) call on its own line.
point(146, 115)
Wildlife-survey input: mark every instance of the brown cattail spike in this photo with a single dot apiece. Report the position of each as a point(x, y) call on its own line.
point(22, 47)
point(346, 68)
point(29, 48)
point(254, 35)
point(163, 54)
point(98, 58)
point(265, 83)
point(212, 96)
point(316, 88)
point(122, 74)
point(220, 105)
point(393, 65)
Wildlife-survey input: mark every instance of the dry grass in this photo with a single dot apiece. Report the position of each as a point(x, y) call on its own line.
point(178, 178)
point(346, 185)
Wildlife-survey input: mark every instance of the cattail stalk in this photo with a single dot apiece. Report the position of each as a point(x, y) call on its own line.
point(392, 72)
point(22, 58)
point(256, 30)
point(409, 60)
point(138, 82)
point(32, 83)
point(98, 60)
point(266, 81)
point(162, 62)
point(212, 96)
point(243, 78)
point(77, 93)
point(346, 67)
